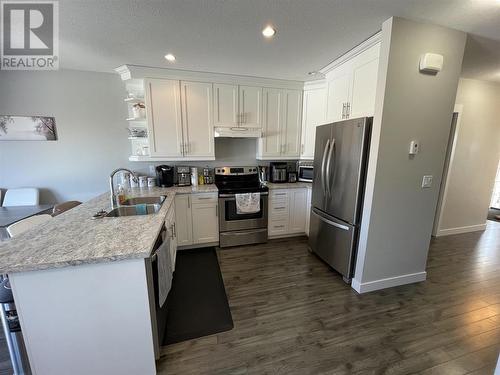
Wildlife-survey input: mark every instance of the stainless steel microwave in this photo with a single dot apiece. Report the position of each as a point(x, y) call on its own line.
point(305, 171)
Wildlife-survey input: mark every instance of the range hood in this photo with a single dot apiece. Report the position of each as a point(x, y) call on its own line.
point(237, 132)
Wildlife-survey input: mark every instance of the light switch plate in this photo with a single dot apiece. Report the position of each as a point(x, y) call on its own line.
point(427, 181)
point(152, 169)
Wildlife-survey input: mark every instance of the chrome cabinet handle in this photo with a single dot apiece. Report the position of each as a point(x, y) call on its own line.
point(182, 148)
point(343, 111)
point(302, 148)
point(189, 202)
point(217, 210)
point(348, 110)
point(204, 198)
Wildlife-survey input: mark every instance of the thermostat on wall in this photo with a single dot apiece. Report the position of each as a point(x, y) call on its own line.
point(431, 63)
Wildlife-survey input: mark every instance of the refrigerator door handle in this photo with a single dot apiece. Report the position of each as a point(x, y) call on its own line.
point(323, 183)
point(329, 160)
point(332, 223)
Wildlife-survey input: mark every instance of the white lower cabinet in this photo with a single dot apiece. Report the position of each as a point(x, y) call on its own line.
point(288, 212)
point(172, 234)
point(183, 220)
point(308, 210)
point(197, 220)
point(298, 210)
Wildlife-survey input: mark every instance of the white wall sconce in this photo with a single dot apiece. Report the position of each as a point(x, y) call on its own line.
point(431, 63)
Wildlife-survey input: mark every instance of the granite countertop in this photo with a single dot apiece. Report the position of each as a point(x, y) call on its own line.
point(289, 185)
point(73, 238)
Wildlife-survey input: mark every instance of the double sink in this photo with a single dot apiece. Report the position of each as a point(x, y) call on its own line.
point(138, 206)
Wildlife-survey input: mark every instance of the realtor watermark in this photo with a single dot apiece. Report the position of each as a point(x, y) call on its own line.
point(29, 35)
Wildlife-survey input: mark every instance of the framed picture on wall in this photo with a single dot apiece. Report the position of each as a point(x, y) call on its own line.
point(27, 128)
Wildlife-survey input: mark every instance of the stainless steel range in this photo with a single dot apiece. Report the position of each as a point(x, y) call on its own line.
point(236, 228)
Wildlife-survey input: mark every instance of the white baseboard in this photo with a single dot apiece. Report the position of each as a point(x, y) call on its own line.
point(459, 230)
point(390, 282)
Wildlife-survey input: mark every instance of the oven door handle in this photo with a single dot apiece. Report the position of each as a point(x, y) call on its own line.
point(233, 195)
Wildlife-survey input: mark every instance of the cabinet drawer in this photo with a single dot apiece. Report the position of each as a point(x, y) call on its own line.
point(279, 208)
point(279, 194)
point(278, 227)
point(204, 198)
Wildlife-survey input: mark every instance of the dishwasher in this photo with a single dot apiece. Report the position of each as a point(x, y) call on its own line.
point(158, 313)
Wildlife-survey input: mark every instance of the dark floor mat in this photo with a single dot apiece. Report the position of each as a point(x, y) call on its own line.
point(197, 302)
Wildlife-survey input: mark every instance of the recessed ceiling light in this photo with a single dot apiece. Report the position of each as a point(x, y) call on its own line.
point(269, 31)
point(170, 57)
point(313, 73)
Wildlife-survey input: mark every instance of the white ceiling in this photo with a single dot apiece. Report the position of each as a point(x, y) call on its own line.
point(225, 35)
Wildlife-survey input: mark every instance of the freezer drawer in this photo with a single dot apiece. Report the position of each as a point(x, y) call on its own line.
point(333, 241)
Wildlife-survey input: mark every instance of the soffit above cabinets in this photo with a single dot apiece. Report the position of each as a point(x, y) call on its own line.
point(134, 72)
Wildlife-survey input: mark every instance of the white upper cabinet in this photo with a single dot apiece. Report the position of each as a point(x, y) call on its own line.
point(313, 114)
point(196, 104)
point(270, 143)
point(164, 118)
point(338, 94)
point(180, 120)
point(237, 106)
point(351, 87)
point(226, 113)
point(292, 105)
point(250, 106)
point(364, 83)
point(281, 124)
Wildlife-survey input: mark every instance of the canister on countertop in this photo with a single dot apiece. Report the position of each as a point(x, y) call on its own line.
point(151, 182)
point(143, 181)
point(194, 176)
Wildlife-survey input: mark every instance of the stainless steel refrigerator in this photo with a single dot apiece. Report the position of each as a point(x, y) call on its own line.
point(340, 159)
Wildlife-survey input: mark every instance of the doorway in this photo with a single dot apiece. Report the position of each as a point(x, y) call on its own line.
point(494, 211)
point(450, 148)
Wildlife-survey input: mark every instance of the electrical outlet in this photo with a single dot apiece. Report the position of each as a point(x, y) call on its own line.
point(427, 181)
point(152, 169)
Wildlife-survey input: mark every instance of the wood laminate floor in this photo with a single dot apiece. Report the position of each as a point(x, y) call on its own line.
point(292, 315)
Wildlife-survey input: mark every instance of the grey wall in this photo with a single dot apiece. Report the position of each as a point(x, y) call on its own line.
point(89, 112)
point(398, 214)
point(474, 159)
point(90, 117)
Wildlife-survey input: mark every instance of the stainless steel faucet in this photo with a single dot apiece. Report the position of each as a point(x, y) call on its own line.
point(112, 187)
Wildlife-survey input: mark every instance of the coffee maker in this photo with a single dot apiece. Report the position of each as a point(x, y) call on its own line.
point(183, 176)
point(164, 176)
point(278, 172)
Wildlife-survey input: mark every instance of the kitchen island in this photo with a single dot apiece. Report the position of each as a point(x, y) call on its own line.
point(83, 288)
